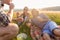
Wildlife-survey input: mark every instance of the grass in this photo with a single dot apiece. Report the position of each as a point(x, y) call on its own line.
point(55, 17)
point(23, 28)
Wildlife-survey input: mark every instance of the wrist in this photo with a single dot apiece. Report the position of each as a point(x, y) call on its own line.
point(10, 10)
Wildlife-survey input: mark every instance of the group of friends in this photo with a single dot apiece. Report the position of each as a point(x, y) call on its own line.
point(41, 27)
point(39, 24)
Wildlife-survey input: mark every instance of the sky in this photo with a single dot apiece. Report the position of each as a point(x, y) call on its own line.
point(38, 4)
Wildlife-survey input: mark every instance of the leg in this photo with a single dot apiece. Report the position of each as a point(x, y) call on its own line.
point(57, 32)
point(46, 36)
point(57, 38)
point(41, 38)
point(54, 28)
point(13, 30)
point(9, 32)
point(48, 29)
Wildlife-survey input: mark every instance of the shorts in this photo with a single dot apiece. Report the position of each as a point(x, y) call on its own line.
point(49, 27)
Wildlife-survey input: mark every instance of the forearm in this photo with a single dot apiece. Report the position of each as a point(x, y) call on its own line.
point(11, 7)
point(10, 12)
point(33, 36)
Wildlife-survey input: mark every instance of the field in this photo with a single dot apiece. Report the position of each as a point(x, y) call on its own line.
point(53, 15)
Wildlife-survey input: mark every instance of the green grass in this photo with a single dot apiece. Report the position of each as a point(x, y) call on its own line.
point(25, 29)
point(55, 17)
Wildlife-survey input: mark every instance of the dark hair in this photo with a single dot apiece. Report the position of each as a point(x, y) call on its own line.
point(2, 4)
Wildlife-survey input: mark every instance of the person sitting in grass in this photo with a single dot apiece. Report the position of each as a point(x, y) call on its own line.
point(35, 31)
point(22, 23)
point(8, 30)
point(23, 17)
point(48, 27)
point(18, 19)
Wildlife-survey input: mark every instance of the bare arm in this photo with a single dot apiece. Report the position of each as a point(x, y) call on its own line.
point(10, 12)
point(11, 7)
point(18, 19)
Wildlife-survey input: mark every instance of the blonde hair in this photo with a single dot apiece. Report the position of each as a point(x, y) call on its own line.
point(39, 16)
point(35, 12)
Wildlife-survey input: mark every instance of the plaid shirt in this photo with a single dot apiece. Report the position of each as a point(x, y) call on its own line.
point(35, 32)
point(3, 19)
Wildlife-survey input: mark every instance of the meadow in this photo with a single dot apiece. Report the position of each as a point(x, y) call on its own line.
point(53, 15)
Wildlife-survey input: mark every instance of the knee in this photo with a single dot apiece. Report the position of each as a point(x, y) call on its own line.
point(14, 29)
point(57, 32)
point(11, 31)
point(46, 36)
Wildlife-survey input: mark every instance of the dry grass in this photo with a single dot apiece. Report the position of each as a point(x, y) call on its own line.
point(54, 15)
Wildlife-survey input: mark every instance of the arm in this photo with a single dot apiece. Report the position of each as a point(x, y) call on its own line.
point(18, 19)
point(10, 12)
point(32, 35)
point(11, 7)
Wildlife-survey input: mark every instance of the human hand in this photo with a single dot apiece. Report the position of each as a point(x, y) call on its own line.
point(28, 24)
point(11, 6)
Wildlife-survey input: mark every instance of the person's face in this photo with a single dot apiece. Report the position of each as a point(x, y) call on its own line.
point(33, 12)
point(25, 10)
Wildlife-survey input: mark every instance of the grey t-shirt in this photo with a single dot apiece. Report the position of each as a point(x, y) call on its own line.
point(38, 22)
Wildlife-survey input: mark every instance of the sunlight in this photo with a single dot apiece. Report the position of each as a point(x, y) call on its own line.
point(20, 4)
